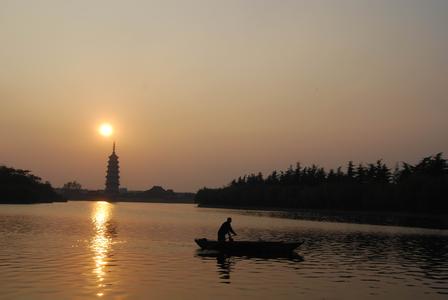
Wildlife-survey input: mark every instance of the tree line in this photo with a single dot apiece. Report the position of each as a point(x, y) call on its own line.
point(422, 187)
point(20, 186)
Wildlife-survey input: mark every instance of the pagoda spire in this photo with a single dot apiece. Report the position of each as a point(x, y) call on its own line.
point(112, 174)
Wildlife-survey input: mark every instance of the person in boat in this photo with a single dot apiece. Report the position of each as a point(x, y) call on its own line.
point(225, 228)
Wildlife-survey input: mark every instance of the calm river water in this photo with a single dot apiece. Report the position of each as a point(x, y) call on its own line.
point(82, 250)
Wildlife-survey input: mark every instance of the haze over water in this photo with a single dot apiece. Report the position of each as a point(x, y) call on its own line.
point(94, 250)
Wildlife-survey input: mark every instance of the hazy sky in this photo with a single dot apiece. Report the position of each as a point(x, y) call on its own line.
point(201, 92)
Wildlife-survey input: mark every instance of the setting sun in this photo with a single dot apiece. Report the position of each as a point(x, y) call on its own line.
point(105, 129)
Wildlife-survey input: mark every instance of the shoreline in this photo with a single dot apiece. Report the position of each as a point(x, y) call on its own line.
point(130, 200)
point(389, 218)
point(119, 200)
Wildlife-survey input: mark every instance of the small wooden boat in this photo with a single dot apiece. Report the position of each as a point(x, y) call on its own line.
point(249, 247)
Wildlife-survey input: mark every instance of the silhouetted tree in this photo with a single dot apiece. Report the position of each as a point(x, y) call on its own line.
point(350, 170)
point(72, 186)
point(420, 187)
point(20, 186)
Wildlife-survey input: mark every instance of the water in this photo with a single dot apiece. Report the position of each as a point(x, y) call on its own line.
point(94, 250)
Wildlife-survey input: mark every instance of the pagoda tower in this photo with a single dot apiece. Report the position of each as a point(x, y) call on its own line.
point(113, 174)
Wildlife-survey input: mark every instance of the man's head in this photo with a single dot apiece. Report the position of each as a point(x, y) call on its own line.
point(229, 220)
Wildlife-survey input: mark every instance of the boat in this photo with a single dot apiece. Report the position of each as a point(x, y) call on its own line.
point(248, 247)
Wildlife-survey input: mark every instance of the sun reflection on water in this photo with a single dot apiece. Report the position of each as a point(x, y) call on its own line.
point(101, 242)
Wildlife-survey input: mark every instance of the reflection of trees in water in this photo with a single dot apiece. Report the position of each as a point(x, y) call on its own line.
point(429, 254)
point(399, 255)
point(374, 218)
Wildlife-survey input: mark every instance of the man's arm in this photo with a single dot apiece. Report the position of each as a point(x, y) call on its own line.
point(231, 230)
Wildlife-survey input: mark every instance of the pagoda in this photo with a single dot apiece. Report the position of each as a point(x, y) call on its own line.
point(113, 174)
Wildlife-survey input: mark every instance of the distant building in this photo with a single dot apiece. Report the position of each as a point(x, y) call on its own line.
point(158, 192)
point(113, 174)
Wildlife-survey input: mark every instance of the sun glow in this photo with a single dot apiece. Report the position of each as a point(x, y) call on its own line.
point(106, 129)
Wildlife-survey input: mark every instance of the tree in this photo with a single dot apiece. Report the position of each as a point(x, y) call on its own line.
point(72, 186)
point(351, 170)
point(372, 186)
point(20, 186)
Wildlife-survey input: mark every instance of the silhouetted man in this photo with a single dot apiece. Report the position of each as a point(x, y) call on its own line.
point(225, 228)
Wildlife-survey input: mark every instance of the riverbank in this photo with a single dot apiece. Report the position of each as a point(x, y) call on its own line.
point(407, 219)
point(25, 202)
point(134, 200)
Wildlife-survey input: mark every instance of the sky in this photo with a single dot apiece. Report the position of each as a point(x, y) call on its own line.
point(201, 92)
